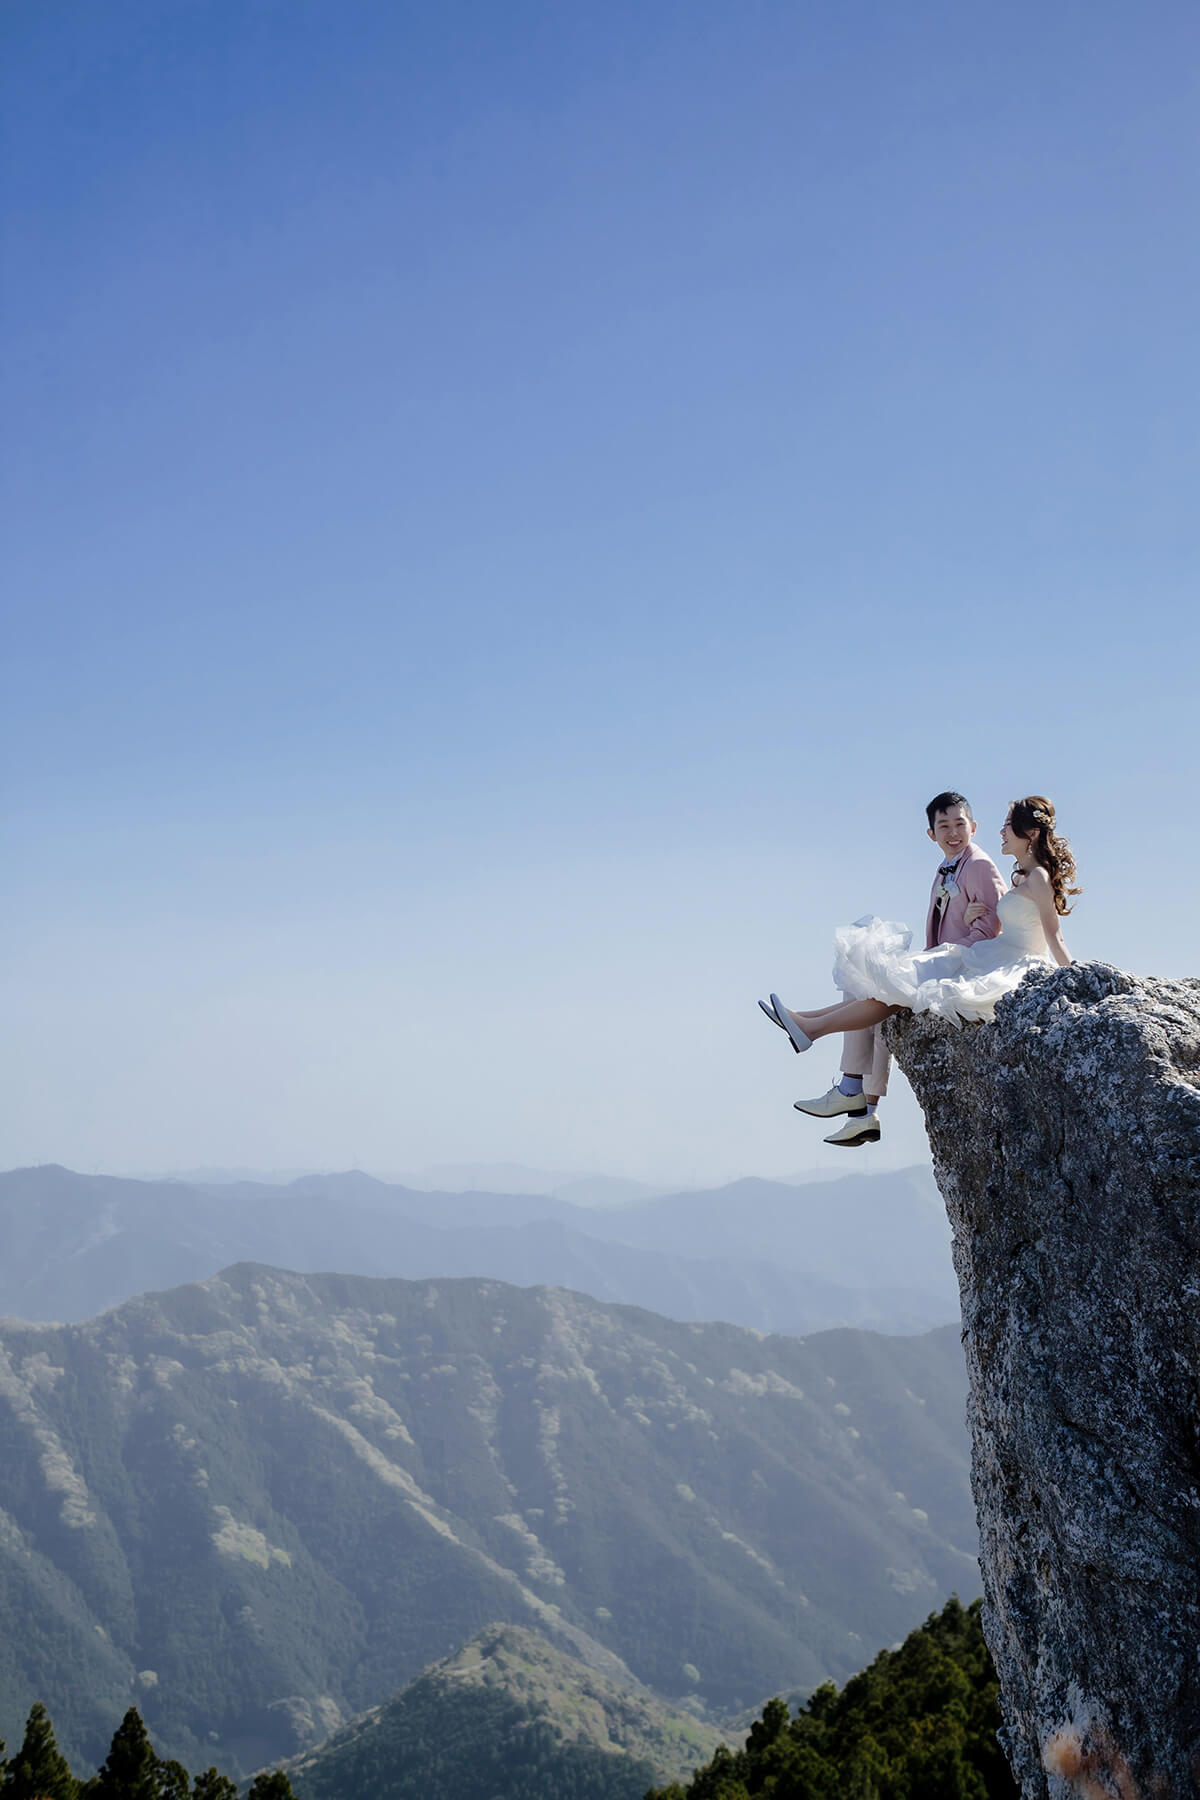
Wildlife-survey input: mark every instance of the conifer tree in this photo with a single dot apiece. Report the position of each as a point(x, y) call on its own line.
point(39, 1771)
point(131, 1770)
point(212, 1785)
point(273, 1786)
point(174, 1782)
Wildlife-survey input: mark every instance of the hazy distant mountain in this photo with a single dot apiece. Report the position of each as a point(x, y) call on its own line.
point(218, 1176)
point(508, 1714)
point(259, 1505)
point(457, 1178)
point(859, 1230)
point(518, 1178)
point(605, 1191)
point(868, 1252)
point(888, 1229)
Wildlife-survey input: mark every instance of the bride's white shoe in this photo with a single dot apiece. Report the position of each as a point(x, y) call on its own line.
point(776, 1020)
point(800, 1039)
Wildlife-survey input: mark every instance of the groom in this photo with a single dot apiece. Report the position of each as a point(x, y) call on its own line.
point(966, 873)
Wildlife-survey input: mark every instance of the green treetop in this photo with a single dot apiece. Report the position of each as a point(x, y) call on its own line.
point(213, 1786)
point(131, 1770)
point(273, 1786)
point(39, 1771)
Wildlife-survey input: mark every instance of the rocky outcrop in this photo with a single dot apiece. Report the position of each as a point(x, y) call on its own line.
point(1066, 1142)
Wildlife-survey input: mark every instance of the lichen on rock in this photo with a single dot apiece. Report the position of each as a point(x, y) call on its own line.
point(1066, 1143)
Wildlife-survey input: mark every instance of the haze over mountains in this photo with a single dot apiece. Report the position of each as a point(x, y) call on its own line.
point(868, 1251)
point(452, 1178)
point(258, 1505)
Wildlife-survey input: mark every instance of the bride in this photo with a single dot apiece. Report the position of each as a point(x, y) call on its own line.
point(875, 966)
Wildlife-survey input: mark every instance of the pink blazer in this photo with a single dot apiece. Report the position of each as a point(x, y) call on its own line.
point(978, 878)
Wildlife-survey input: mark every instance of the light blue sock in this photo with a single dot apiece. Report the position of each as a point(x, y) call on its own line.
point(872, 1108)
point(850, 1084)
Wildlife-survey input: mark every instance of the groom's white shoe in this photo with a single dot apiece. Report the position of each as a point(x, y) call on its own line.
point(831, 1104)
point(860, 1130)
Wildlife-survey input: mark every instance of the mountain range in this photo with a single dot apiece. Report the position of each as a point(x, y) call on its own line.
point(865, 1251)
point(260, 1504)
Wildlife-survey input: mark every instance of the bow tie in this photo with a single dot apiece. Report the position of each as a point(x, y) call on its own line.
point(949, 868)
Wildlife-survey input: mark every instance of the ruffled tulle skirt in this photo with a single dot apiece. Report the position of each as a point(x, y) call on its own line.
point(873, 961)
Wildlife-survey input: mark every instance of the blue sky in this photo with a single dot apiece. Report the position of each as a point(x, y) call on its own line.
point(511, 511)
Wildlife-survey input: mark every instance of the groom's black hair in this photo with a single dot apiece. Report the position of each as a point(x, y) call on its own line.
point(943, 803)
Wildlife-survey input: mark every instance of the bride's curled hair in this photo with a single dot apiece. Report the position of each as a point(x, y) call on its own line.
point(1033, 818)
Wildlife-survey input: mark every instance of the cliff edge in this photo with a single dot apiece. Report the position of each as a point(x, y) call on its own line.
point(1066, 1143)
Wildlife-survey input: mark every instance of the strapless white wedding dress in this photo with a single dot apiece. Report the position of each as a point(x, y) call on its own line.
point(873, 961)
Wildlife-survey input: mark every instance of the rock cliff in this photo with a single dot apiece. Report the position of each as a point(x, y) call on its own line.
point(1066, 1142)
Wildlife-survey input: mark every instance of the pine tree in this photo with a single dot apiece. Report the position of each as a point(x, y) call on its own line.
point(131, 1770)
point(274, 1786)
point(39, 1771)
point(174, 1782)
point(213, 1786)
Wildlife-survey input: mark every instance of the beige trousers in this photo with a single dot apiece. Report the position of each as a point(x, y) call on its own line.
point(865, 1053)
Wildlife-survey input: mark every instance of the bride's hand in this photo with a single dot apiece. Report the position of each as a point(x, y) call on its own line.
point(975, 910)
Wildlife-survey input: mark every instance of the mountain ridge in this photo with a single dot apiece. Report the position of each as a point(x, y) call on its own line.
point(388, 1749)
point(763, 1256)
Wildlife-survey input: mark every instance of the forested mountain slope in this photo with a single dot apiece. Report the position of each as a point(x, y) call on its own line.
point(507, 1716)
point(260, 1505)
point(920, 1723)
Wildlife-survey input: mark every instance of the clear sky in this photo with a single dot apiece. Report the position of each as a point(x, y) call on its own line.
point(511, 510)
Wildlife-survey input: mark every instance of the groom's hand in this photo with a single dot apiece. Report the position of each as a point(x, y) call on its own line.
point(980, 911)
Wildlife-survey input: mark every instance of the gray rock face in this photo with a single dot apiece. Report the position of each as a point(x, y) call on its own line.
point(1066, 1142)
